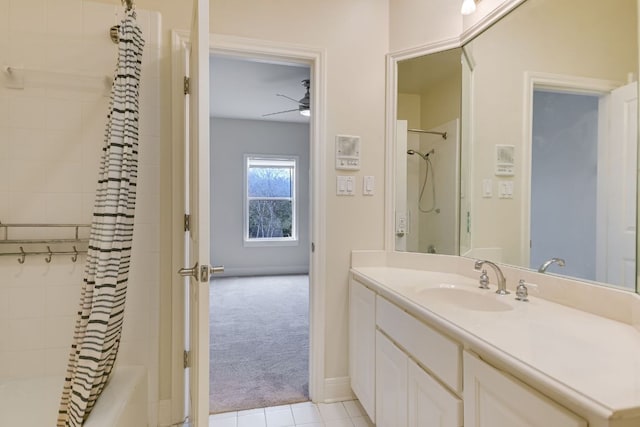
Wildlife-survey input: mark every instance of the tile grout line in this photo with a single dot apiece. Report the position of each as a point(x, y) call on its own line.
point(357, 413)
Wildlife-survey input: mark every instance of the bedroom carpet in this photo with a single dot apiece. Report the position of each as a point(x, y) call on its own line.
point(259, 342)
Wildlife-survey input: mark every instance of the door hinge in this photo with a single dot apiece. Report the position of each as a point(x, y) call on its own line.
point(187, 222)
point(186, 359)
point(187, 85)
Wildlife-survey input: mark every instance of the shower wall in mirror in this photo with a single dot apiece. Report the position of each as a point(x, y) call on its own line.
point(548, 140)
point(428, 153)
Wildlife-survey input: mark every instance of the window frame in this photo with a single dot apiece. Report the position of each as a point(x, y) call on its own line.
point(271, 160)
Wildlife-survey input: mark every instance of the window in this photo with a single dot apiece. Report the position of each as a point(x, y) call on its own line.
point(270, 212)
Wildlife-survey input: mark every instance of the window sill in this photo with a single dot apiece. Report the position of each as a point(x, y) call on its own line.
point(270, 243)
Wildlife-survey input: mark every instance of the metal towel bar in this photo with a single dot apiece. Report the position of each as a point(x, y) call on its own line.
point(22, 254)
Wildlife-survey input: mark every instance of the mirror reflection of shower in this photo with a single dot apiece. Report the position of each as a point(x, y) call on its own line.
point(428, 173)
point(427, 232)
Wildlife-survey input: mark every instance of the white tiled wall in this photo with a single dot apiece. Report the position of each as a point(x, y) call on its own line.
point(51, 134)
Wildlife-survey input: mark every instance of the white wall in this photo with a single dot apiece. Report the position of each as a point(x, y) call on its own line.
point(415, 23)
point(231, 139)
point(51, 134)
point(440, 103)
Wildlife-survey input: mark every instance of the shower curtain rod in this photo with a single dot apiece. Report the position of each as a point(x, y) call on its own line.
point(442, 134)
point(15, 73)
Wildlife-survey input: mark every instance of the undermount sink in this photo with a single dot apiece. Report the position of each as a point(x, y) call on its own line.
point(464, 298)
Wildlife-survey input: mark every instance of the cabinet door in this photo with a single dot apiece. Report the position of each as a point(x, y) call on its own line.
point(493, 399)
point(430, 404)
point(391, 384)
point(362, 345)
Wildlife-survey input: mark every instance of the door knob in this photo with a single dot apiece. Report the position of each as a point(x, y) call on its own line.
point(203, 272)
point(189, 272)
point(217, 269)
point(206, 272)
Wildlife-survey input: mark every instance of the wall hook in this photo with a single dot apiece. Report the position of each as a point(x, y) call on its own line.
point(23, 255)
point(49, 255)
point(74, 258)
point(113, 33)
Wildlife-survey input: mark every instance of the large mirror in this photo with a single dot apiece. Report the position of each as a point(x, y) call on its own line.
point(540, 115)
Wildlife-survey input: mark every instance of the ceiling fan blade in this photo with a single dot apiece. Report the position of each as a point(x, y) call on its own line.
point(280, 112)
point(285, 96)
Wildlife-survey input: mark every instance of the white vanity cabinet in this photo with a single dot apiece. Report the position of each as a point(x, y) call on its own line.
point(391, 383)
point(387, 347)
point(535, 364)
point(362, 345)
point(406, 394)
point(494, 399)
point(430, 404)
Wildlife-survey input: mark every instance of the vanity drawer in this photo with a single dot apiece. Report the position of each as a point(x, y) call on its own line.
point(438, 353)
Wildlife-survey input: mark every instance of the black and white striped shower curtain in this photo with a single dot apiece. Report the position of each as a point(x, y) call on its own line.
point(102, 301)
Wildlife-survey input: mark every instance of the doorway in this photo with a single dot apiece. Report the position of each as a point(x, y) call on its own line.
point(259, 342)
point(564, 181)
point(584, 160)
point(260, 231)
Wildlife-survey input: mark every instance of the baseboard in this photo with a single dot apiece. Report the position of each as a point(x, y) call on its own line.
point(264, 271)
point(337, 389)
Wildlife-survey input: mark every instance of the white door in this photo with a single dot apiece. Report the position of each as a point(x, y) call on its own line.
point(493, 399)
point(429, 403)
point(362, 345)
point(621, 203)
point(197, 206)
point(391, 384)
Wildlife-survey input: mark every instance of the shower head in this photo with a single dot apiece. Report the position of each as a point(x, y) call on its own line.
point(424, 156)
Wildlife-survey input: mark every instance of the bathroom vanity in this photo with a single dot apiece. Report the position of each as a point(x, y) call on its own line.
point(427, 347)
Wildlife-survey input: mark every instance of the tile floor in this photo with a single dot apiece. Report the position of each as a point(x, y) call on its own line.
point(307, 414)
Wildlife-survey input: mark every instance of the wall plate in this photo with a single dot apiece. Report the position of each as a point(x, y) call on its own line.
point(505, 163)
point(347, 152)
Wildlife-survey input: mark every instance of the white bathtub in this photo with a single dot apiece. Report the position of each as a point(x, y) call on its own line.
point(34, 402)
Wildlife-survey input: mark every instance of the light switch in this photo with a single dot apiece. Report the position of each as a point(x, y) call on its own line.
point(487, 188)
point(505, 189)
point(345, 185)
point(368, 185)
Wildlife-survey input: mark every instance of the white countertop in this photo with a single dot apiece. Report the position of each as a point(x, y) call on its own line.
point(592, 361)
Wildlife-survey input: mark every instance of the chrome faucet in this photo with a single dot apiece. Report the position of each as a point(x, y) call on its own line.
point(546, 264)
point(502, 283)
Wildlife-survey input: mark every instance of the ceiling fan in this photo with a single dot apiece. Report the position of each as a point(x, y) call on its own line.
point(303, 103)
